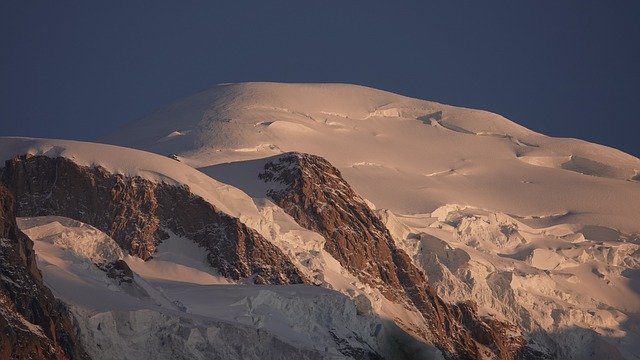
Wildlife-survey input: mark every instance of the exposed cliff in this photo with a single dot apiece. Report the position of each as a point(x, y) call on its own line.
point(134, 211)
point(33, 324)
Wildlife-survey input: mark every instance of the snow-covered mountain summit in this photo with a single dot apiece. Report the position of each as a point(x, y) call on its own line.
point(403, 154)
point(424, 230)
point(531, 219)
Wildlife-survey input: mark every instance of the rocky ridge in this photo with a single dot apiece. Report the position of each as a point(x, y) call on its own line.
point(314, 193)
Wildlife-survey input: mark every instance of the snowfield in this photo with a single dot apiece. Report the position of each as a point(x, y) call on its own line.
point(407, 155)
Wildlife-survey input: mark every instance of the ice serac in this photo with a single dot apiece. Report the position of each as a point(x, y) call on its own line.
point(134, 211)
point(314, 193)
point(33, 324)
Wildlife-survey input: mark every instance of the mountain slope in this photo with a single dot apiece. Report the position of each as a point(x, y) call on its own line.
point(539, 231)
point(142, 213)
point(317, 197)
point(473, 234)
point(51, 178)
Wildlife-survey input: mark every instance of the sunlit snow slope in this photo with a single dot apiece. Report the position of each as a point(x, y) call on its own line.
point(403, 154)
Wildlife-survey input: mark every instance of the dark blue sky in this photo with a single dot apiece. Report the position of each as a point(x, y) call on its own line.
point(565, 68)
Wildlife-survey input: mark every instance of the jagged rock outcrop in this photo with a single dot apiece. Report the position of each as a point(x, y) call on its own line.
point(33, 324)
point(134, 211)
point(119, 271)
point(314, 193)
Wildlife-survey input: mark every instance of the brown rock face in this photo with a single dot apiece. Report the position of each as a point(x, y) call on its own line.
point(134, 211)
point(33, 324)
point(317, 197)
